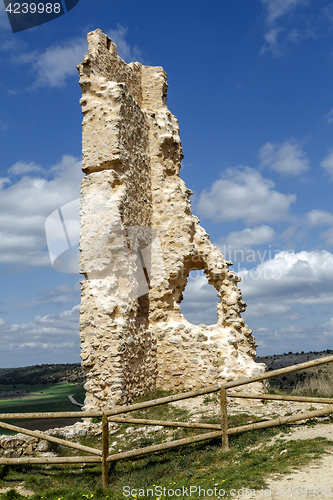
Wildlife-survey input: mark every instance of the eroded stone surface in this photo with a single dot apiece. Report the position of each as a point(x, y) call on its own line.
point(139, 242)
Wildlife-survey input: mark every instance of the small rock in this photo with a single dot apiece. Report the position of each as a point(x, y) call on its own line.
point(43, 446)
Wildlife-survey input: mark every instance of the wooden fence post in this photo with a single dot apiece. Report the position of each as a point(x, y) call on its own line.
point(105, 450)
point(224, 420)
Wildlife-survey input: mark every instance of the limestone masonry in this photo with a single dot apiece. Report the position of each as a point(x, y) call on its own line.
point(139, 242)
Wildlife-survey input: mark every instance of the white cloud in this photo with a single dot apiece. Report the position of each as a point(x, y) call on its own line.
point(319, 218)
point(62, 295)
point(275, 9)
point(238, 246)
point(285, 158)
point(200, 300)
point(316, 218)
point(328, 327)
point(272, 42)
point(57, 63)
point(243, 194)
point(328, 236)
point(302, 278)
point(25, 204)
point(277, 37)
point(22, 167)
point(327, 164)
point(4, 181)
point(250, 237)
point(293, 338)
point(32, 195)
point(261, 310)
point(125, 50)
point(49, 339)
point(289, 296)
point(329, 117)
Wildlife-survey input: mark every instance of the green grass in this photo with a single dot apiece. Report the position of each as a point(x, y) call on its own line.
point(197, 465)
point(58, 388)
point(201, 464)
point(42, 398)
point(41, 405)
point(39, 396)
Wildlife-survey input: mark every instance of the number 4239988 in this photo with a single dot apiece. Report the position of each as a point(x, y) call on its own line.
point(33, 8)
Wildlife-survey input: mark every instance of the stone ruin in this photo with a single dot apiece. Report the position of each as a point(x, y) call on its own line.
point(139, 242)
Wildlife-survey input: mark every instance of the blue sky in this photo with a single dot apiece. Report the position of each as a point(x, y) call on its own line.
point(251, 86)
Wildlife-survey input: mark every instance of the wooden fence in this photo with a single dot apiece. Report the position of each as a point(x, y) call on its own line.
point(219, 431)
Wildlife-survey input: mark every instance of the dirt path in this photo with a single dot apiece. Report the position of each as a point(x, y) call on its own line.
point(313, 480)
point(310, 481)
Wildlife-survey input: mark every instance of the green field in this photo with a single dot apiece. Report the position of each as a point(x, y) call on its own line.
point(39, 398)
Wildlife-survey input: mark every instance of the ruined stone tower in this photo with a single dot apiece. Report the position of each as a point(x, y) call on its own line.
point(139, 242)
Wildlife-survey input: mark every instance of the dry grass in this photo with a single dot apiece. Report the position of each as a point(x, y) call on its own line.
point(316, 385)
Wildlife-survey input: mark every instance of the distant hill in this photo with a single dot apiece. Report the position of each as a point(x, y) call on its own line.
point(276, 361)
point(289, 381)
point(74, 373)
point(43, 374)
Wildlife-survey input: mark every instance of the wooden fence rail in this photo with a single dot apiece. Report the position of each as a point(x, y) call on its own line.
point(221, 430)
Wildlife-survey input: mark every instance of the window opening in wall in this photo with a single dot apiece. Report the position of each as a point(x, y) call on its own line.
point(199, 300)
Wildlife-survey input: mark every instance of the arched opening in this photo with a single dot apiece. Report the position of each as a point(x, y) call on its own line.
point(199, 301)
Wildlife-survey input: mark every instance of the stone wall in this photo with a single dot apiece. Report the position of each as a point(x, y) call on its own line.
point(22, 445)
point(139, 242)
